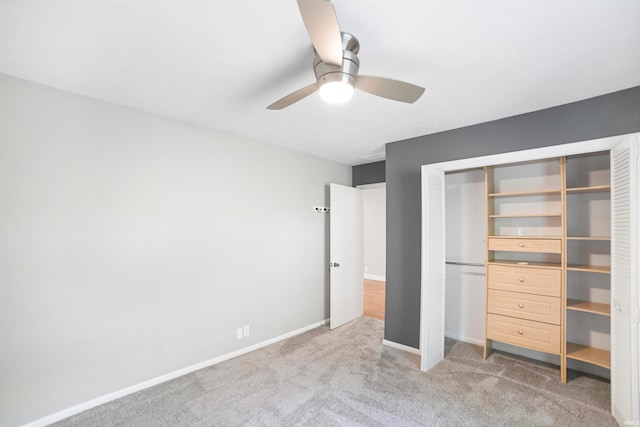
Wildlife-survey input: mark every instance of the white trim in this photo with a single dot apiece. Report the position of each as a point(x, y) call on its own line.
point(375, 277)
point(76, 409)
point(581, 147)
point(374, 186)
point(468, 340)
point(401, 347)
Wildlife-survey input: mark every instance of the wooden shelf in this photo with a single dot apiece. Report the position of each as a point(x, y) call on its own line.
point(511, 211)
point(529, 264)
point(525, 237)
point(595, 356)
point(526, 215)
point(589, 307)
point(594, 189)
point(590, 268)
point(526, 193)
point(603, 238)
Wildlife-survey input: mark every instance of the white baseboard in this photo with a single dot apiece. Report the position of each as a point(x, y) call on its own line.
point(76, 409)
point(464, 339)
point(375, 277)
point(401, 347)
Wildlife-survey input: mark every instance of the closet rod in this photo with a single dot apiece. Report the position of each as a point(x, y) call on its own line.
point(470, 264)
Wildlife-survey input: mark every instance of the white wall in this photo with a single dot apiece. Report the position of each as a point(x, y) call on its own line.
point(375, 234)
point(465, 222)
point(132, 246)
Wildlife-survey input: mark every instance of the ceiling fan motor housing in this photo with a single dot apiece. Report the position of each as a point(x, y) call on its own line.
point(347, 72)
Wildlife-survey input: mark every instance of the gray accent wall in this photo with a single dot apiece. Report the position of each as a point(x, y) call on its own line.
point(369, 173)
point(616, 113)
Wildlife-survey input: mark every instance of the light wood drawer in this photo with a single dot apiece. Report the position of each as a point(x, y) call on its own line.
point(525, 306)
point(524, 333)
point(540, 281)
point(553, 246)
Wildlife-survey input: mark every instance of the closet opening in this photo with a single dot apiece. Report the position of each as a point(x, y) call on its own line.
point(545, 240)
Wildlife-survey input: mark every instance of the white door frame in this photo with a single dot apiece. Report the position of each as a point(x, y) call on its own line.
point(583, 147)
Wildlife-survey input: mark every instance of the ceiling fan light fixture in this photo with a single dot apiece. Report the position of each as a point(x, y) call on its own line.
point(336, 92)
point(336, 87)
point(336, 63)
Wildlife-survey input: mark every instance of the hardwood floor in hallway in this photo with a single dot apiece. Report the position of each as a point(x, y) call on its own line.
point(374, 292)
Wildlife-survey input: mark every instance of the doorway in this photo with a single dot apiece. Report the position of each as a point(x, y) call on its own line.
point(374, 216)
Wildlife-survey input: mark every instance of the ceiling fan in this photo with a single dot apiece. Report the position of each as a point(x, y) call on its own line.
point(336, 63)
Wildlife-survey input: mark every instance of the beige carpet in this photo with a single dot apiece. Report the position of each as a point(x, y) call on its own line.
point(346, 377)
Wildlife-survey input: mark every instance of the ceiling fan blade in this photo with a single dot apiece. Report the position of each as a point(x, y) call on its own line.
point(388, 88)
point(293, 97)
point(320, 18)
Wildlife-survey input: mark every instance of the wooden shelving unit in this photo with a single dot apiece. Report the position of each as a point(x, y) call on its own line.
point(592, 189)
point(525, 237)
point(526, 215)
point(569, 271)
point(525, 193)
point(603, 238)
point(524, 251)
point(525, 264)
point(590, 268)
point(588, 234)
point(589, 307)
point(595, 356)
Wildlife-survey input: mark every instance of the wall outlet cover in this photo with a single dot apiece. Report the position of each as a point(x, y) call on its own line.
point(239, 333)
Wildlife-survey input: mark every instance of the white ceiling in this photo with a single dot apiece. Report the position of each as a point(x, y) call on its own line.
point(219, 63)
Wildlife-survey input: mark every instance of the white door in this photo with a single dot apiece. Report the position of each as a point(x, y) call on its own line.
point(625, 397)
point(346, 256)
point(433, 252)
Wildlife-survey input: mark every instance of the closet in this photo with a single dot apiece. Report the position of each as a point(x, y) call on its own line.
point(588, 254)
point(548, 257)
point(569, 222)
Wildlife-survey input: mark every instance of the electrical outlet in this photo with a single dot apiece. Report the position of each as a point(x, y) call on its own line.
point(239, 333)
point(247, 330)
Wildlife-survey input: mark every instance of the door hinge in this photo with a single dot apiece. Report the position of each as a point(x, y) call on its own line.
point(634, 315)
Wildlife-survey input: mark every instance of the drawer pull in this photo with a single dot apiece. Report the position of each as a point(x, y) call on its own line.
point(521, 280)
point(520, 331)
point(521, 245)
point(521, 305)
